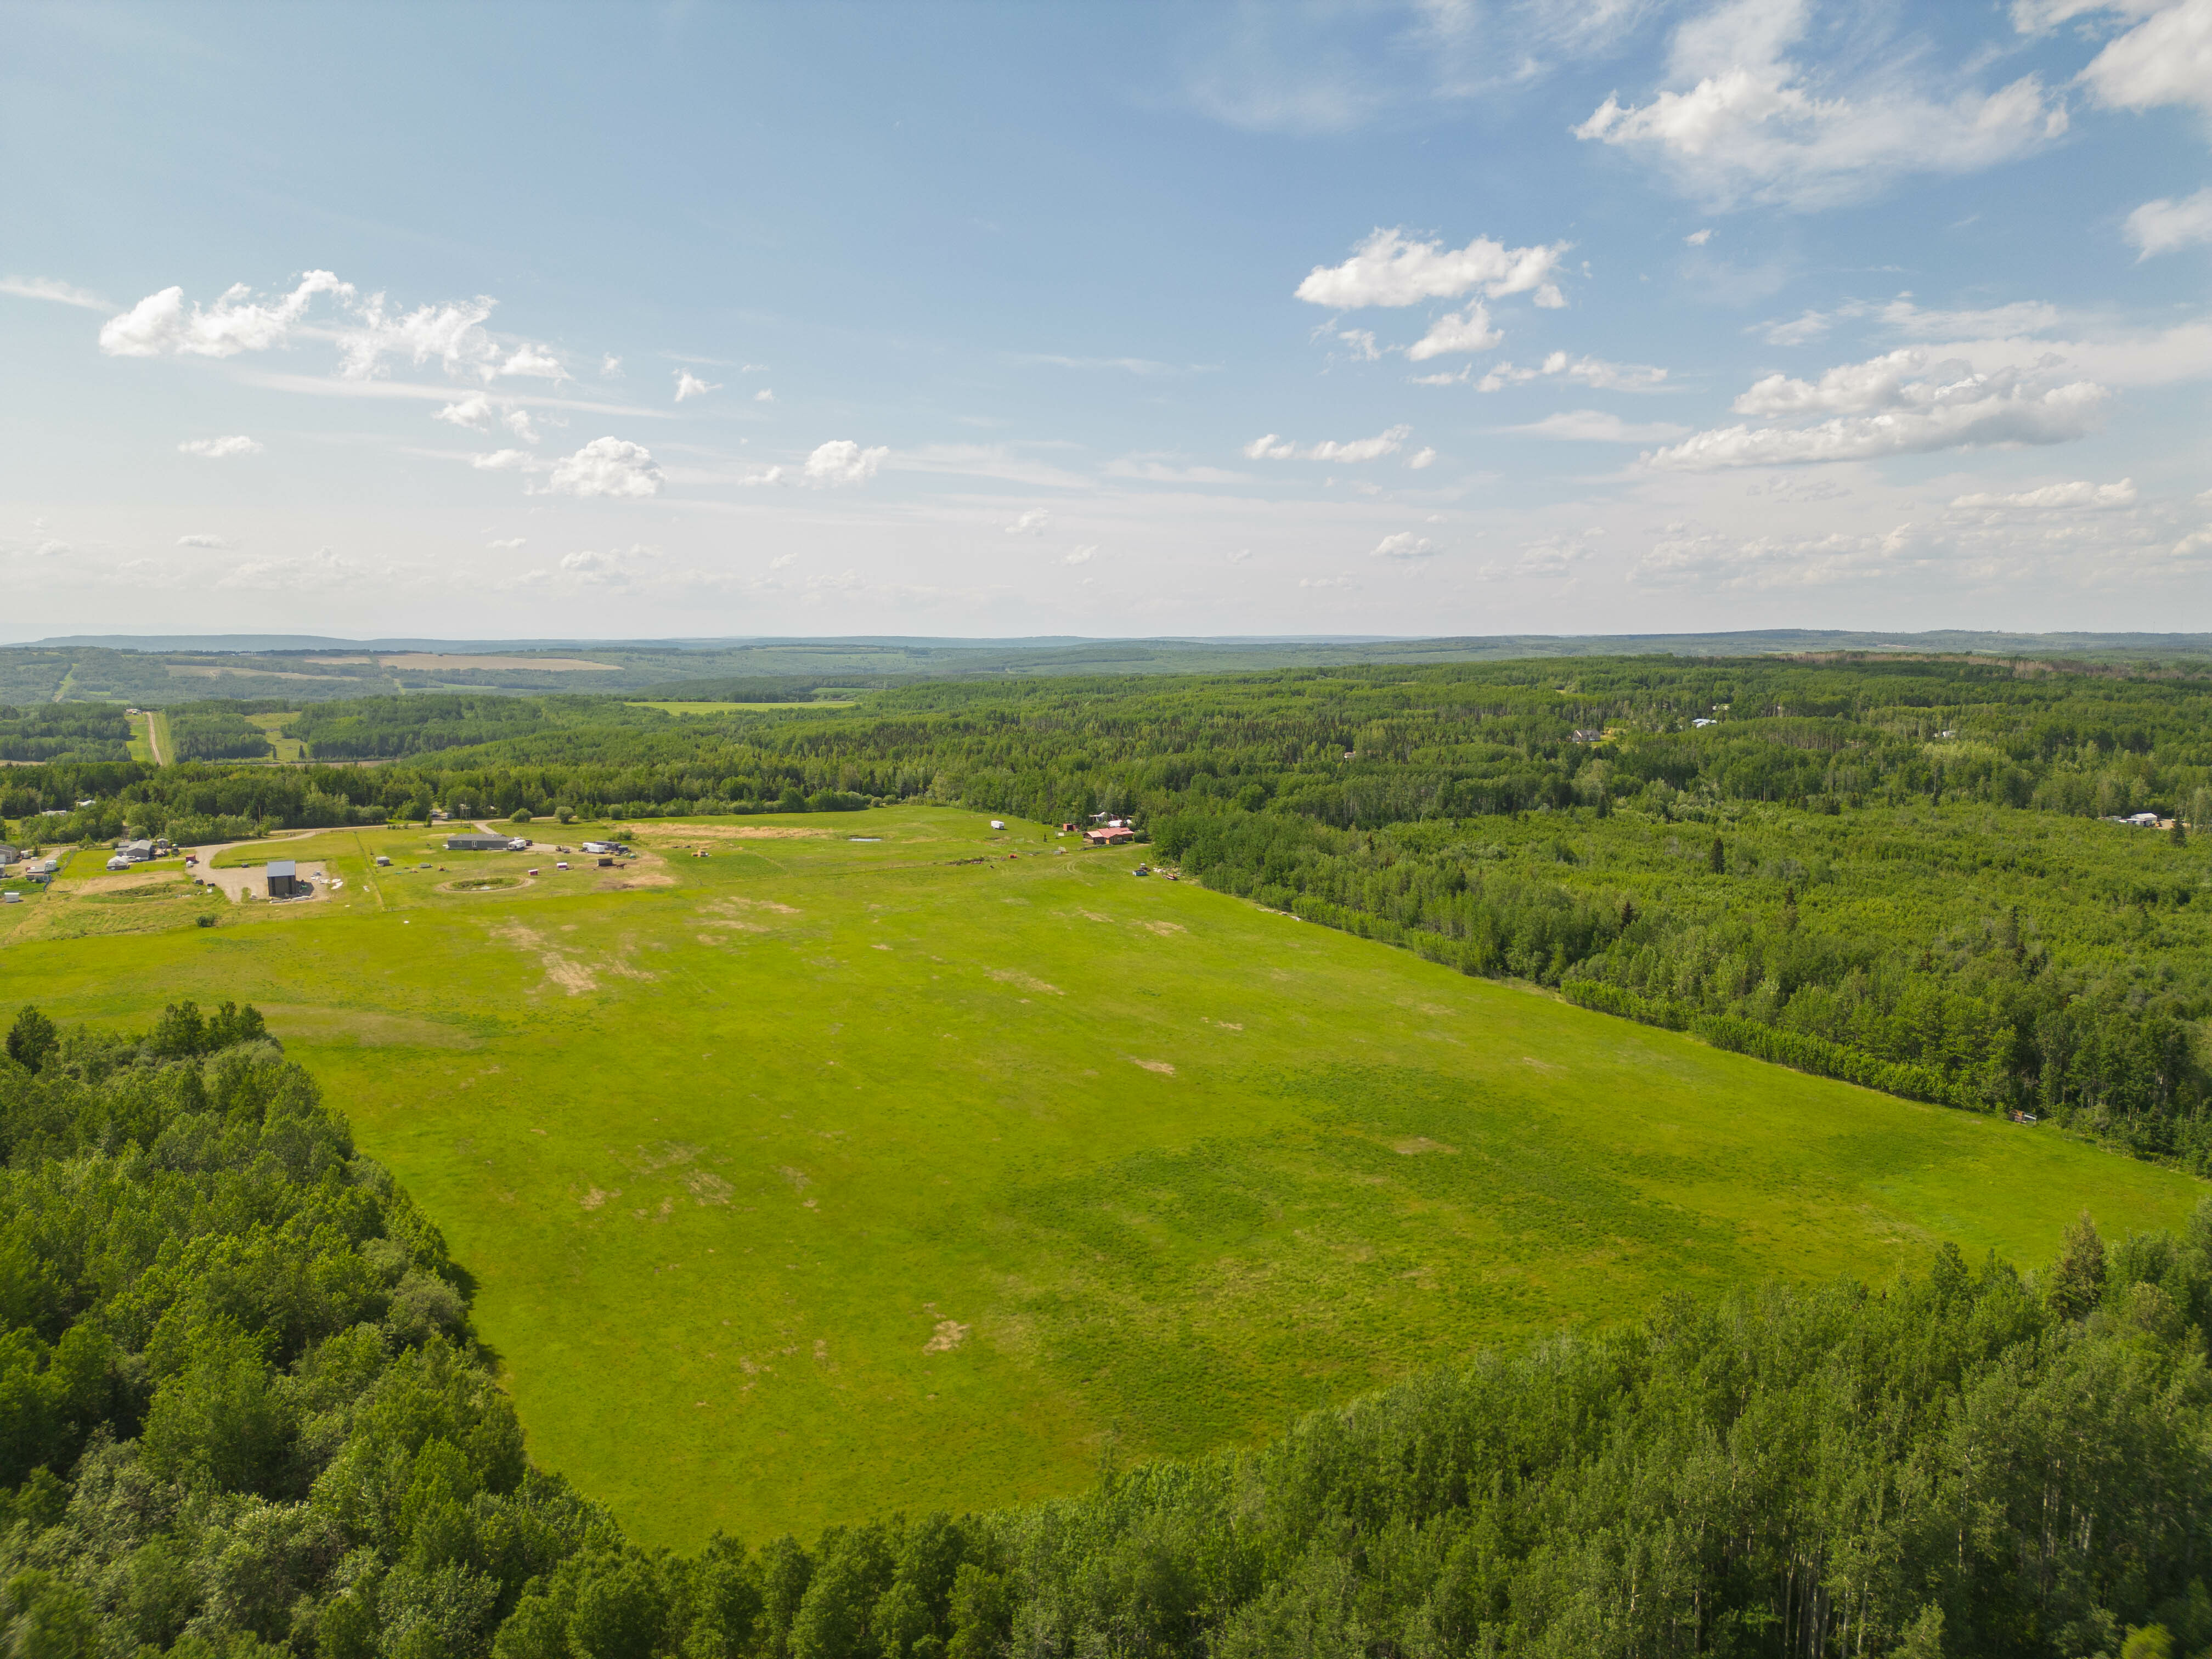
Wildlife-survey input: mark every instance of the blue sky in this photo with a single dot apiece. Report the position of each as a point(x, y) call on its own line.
point(959, 319)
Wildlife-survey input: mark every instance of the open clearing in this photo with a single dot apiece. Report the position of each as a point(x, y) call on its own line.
point(828, 1177)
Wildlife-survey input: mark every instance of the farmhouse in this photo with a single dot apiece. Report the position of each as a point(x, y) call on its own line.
point(476, 844)
point(284, 881)
point(1112, 834)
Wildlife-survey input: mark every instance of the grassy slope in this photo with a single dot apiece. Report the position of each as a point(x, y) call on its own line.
point(724, 1154)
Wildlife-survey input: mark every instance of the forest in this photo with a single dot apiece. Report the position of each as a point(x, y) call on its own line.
point(1898, 870)
point(246, 1414)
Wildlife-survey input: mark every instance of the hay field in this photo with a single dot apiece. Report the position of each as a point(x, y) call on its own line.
point(820, 1178)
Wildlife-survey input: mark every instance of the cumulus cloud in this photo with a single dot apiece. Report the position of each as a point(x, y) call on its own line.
point(1594, 372)
point(508, 461)
point(518, 422)
point(1275, 448)
point(1710, 559)
point(842, 461)
point(2080, 493)
point(49, 287)
point(2166, 58)
point(611, 368)
point(1081, 556)
point(1698, 238)
point(2163, 226)
point(1420, 459)
point(473, 411)
point(765, 395)
point(366, 331)
point(1031, 523)
point(506, 544)
point(219, 449)
point(1388, 269)
point(1754, 124)
point(1599, 426)
point(1467, 331)
point(606, 466)
point(1403, 545)
point(689, 385)
point(202, 541)
point(159, 324)
point(1361, 342)
point(1906, 402)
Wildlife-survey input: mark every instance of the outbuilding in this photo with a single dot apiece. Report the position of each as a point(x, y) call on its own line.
point(478, 842)
point(1112, 835)
point(284, 881)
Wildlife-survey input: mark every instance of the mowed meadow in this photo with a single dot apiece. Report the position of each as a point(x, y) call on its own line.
point(820, 1178)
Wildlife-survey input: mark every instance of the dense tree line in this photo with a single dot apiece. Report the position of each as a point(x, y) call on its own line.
point(241, 1414)
point(59, 731)
point(215, 732)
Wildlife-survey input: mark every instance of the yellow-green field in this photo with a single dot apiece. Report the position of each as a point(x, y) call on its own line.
point(820, 1178)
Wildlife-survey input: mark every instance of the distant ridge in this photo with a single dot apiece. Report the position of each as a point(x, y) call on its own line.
point(1744, 642)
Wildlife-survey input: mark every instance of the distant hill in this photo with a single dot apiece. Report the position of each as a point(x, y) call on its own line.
point(289, 669)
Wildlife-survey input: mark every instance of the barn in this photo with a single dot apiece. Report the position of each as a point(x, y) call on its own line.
point(284, 881)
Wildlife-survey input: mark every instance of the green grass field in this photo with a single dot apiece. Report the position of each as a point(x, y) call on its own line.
point(820, 1178)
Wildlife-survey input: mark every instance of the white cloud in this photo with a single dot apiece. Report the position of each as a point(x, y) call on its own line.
point(1599, 426)
point(1156, 468)
point(49, 287)
point(52, 549)
point(1081, 556)
point(842, 461)
point(1403, 545)
point(606, 466)
point(1275, 448)
point(202, 541)
point(2081, 493)
point(2162, 226)
point(1756, 125)
point(506, 543)
point(1698, 238)
point(1469, 331)
point(1389, 270)
point(1710, 559)
point(765, 395)
point(453, 333)
point(689, 385)
point(1031, 523)
point(1361, 342)
point(473, 412)
point(534, 362)
point(611, 368)
point(163, 325)
point(1910, 401)
point(1420, 459)
point(1594, 372)
point(219, 449)
point(323, 567)
point(159, 324)
point(509, 461)
point(1325, 581)
point(517, 421)
point(2165, 59)
point(1240, 556)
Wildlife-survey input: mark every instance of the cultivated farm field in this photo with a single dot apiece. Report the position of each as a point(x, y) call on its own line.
point(823, 1177)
